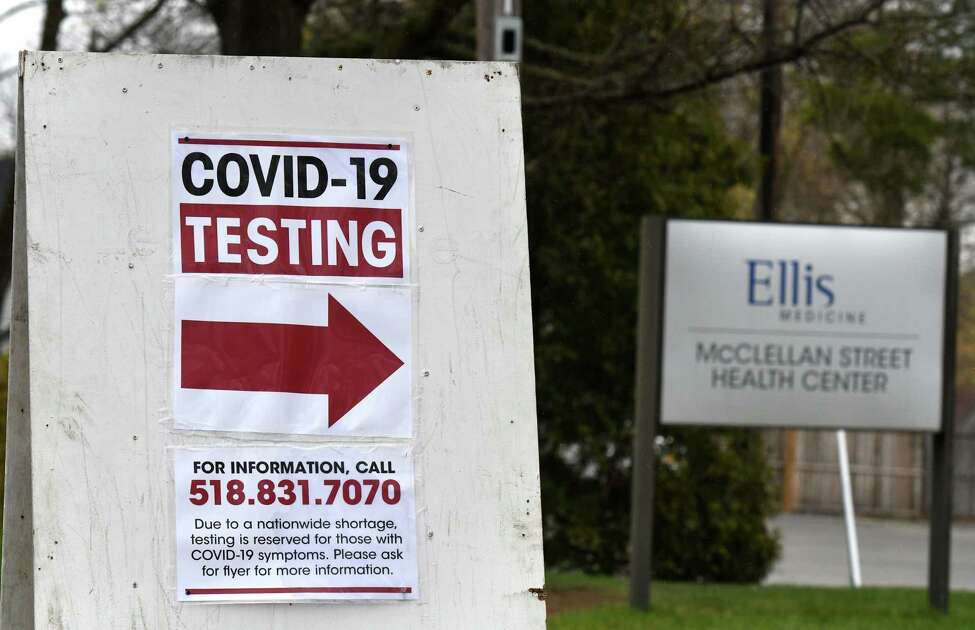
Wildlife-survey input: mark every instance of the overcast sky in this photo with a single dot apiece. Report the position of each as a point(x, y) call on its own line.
point(17, 32)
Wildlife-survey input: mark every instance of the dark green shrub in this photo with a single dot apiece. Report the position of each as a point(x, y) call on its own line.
point(713, 498)
point(714, 494)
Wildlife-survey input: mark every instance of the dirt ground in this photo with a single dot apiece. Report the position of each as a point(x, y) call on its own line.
point(578, 599)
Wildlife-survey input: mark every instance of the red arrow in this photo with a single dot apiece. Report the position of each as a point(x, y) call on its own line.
point(344, 359)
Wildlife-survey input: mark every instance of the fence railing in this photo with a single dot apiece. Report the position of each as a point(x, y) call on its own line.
point(888, 471)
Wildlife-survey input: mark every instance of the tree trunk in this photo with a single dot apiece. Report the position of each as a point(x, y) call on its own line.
point(249, 27)
point(892, 211)
point(52, 24)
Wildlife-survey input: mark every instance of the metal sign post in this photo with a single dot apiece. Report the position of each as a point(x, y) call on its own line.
point(942, 460)
point(849, 517)
point(649, 330)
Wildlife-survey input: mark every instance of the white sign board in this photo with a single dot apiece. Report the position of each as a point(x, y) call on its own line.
point(309, 206)
point(808, 326)
point(380, 243)
point(285, 523)
point(294, 358)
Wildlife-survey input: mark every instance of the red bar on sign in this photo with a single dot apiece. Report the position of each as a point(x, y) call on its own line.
point(306, 144)
point(299, 589)
point(291, 240)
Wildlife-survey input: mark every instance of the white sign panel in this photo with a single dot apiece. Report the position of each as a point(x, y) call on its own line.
point(294, 358)
point(813, 326)
point(283, 523)
point(101, 233)
point(310, 206)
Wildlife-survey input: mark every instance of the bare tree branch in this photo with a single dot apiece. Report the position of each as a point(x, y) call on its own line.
point(638, 88)
point(17, 8)
point(797, 24)
point(572, 56)
point(429, 23)
point(132, 28)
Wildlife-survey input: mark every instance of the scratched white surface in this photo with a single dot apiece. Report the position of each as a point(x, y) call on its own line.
point(97, 133)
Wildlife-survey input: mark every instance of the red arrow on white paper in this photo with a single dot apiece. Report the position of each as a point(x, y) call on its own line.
point(344, 359)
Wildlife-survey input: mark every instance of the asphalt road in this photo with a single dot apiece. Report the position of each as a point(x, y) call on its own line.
point(892, 553)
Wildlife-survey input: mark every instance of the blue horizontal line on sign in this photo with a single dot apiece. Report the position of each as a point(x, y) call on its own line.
point(802, 333)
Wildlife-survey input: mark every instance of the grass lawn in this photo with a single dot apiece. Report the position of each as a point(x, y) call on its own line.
point(579, 602)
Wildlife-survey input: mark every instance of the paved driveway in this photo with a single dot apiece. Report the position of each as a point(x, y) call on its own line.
point(892, 553)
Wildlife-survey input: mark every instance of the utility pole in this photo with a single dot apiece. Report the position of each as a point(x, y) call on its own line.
point(485, 29)
point(770, 115)
point(769, 122)
point(499, 32)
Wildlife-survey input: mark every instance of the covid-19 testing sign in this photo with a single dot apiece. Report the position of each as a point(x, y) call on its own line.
point(293, 315)
point(801, 325)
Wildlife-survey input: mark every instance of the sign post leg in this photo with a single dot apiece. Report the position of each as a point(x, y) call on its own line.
point(17, 582)
point(649, 325)
point(849, 517)
point(942, 452)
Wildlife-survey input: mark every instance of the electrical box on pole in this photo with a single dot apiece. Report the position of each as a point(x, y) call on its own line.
point(508, 38)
